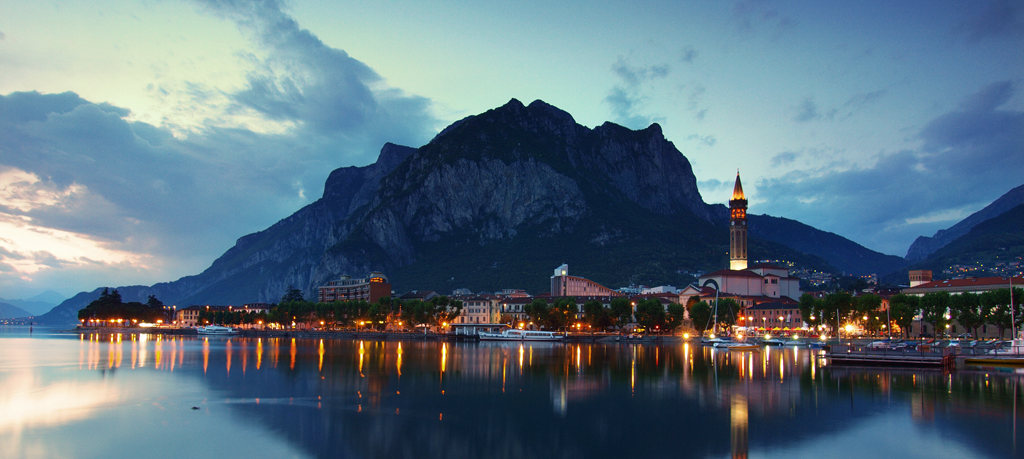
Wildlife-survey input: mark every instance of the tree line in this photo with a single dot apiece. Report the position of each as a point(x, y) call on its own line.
point(648, 314)
point(110, 307)
point(939, 309)
point(294, 309)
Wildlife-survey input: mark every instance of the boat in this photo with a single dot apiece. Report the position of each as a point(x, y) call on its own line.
point(716, 341)
point(216, 330)
point(521, 335)
point(737, 346)
point(774, 342)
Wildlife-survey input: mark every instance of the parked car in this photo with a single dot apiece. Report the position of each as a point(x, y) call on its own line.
point(878, 345)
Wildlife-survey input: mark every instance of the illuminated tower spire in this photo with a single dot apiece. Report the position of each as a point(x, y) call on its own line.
point(738, 227)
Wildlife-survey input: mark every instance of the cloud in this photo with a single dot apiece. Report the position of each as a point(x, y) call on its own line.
point(997, 19)
point(688, 54)
point(750, 15)
point(627, 97)
point(91, 189)
point(808, 109)
point(783, 159)
point(973, 153)
point(328, 93)
point(2, 36)
point(706, 140)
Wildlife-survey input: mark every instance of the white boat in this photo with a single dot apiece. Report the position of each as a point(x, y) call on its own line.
point(216, 330)
point(737, 346)
point(521, 335)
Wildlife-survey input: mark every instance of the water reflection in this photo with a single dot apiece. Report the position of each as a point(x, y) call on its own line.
point(424, 398)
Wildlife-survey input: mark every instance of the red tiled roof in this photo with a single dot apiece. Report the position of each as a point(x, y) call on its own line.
point(981, 282)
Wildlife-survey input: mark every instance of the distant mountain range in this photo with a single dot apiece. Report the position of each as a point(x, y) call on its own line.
point(497, 200)
point(34, 306)
point(924, 246)
point(10, 311)
point(998, 239)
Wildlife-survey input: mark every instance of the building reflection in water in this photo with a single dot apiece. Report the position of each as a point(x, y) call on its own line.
point(778, 385)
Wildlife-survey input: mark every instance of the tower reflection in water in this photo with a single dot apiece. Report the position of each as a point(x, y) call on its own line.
point(582, 384)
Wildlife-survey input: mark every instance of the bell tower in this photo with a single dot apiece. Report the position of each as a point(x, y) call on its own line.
point(738, 228)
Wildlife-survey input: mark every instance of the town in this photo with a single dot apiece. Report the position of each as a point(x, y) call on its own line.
point(762, 299)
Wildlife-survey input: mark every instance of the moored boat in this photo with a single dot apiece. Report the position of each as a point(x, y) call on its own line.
point(216, 330)
point(521, 335)
point(737, 346)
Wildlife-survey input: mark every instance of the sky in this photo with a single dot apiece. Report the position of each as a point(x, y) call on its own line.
point(140, 139)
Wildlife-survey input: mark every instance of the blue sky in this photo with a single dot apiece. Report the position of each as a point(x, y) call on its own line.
point(139, 139)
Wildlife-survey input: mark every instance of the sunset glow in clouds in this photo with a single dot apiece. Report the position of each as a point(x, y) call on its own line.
point(139, 139)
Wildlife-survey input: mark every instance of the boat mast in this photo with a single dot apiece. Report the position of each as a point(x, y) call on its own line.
point(1013, 321)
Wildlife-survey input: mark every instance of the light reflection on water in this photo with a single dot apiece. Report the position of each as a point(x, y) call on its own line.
point(333, 398)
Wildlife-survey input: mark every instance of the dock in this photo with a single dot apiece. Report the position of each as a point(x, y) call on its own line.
point(851, 354)
point(947, 359)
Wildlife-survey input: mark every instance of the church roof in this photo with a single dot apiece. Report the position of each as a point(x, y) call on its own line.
point(731, 273)
point(737, 191)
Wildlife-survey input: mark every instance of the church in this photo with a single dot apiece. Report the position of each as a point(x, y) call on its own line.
point(748, 285)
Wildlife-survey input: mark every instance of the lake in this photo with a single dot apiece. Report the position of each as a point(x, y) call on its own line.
point(149, 395)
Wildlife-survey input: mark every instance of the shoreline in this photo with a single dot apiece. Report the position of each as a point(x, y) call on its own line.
point(366, 335)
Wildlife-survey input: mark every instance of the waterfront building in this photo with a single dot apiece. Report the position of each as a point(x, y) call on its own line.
point(957, 286)
point(187, 317)
point(975, 285)
point(478, 309)
point(512, 309)
point(562, 284)
point(773, 316)
point(371, 288)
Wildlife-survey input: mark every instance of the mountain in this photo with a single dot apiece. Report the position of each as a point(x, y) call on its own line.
point(10, 311)
point(996, 240)
point(925, 246)
point(497, 200)
point(37, 304)
point(844, 254)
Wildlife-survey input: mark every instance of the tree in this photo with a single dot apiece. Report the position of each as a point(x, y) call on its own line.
point(293, 295)
point(728, 311)
point(902, 309)
point(537, 311)
point(674, 318)
point(866, 308)
point(810, 309)
point(596, 315)
point(562, 314)
point(966, 308)
point(445, 309)
point(650, 314)
point(622, 311)
point(995, 307)
point(934, 308)
point(700, 315)
point(840, 303)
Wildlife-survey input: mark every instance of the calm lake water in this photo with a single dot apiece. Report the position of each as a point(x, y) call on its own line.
point(140, 395)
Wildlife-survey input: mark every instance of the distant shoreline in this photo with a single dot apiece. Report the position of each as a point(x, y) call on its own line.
point(356, 335)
